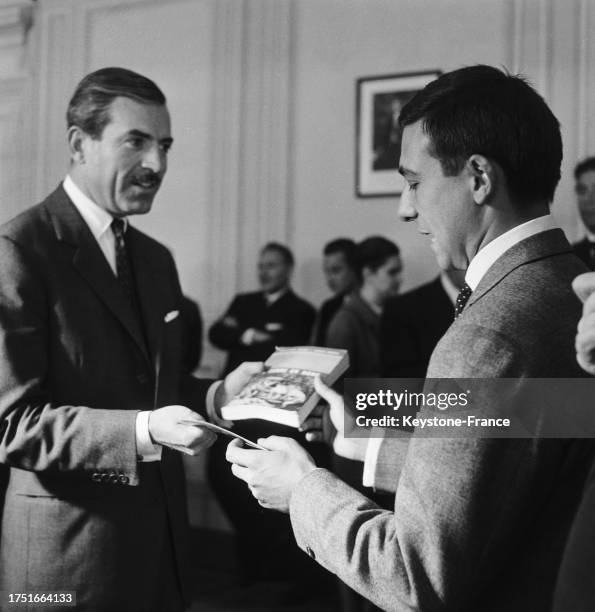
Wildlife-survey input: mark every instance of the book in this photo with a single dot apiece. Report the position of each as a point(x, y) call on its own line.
point(284, 391)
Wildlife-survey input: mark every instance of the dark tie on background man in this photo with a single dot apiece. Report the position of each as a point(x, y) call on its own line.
point(462, 299)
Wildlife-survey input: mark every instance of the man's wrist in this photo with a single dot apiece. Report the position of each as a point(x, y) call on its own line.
point(214, 401)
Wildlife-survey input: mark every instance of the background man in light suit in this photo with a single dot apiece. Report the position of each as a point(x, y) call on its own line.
point(478, 524)
point(90, 369)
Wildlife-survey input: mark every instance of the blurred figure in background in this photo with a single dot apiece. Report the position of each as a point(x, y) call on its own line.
point(253, 325)
point(356, 327)
point(412, 323)
point(584, 176)
point(341, 277)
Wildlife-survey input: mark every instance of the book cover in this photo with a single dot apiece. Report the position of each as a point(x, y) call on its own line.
point(284, 391)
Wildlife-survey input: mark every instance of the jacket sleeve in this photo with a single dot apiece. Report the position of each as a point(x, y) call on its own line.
point(341, 333)
point(226, 332)
point(35, 433)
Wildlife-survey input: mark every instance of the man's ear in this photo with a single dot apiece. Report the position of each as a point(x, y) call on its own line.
point(76, 138)
point(482, 175)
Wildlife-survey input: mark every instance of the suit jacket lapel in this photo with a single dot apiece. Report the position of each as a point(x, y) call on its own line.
point(545, 244)
point(91, 264)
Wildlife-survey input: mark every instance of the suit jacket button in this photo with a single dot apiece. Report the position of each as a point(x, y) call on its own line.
point(123, 479)
point(113, 478)
point(105, 477)
point(96, 477)
point(142, 378)
point(311, 552)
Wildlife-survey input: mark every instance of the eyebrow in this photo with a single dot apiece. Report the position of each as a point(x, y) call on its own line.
point(406, 172)
point(139, 134)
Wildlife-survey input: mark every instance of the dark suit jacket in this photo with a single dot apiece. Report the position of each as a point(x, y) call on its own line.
point(410, 327)
point(289, 320)
point(192, 334)
point(585, 250)
point(81, 513)
point(478, 524)
point(325, 314)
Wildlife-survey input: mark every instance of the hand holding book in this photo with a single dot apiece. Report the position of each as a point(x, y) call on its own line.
point(284, 391)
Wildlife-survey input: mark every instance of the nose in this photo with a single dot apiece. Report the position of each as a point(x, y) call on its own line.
point(155, 159)
point(406, 211)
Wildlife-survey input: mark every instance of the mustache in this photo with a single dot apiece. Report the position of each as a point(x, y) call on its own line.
point(145, 175)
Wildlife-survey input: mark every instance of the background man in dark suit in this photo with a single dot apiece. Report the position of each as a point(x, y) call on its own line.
point(255, 323)
point(478, 523)
point(584, 177)
point(340, 272)
point(90, 369)
point(412, 323)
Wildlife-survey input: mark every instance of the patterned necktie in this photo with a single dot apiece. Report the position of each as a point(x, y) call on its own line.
point(462, 298)
point(123, 267)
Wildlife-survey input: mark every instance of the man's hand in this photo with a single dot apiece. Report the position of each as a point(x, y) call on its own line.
point(165, 428)
point(260, 337)
point(235, 381)
point(271, 475)
point(320, 425)
point(584, 287)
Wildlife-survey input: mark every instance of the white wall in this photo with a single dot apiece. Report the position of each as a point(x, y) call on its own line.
point(262, 96)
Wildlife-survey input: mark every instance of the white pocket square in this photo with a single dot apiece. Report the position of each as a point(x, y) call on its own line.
point(170, 316)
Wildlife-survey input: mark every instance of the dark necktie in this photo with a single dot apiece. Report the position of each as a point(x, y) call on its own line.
point(592, 255)
point(123, 267)
point(462, 298)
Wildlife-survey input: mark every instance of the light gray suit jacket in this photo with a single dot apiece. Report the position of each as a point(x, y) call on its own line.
point(477, 524)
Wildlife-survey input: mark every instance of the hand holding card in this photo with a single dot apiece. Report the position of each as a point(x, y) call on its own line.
point(221, 430)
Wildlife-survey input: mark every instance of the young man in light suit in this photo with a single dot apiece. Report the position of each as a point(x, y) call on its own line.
point(478, 523)
point(91, 370)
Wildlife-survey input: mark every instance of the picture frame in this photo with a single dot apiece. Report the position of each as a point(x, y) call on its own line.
point(379, 102)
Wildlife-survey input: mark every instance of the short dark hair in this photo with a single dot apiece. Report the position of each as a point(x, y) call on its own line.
point(89, 106)
point(584, 166)
point(346, 246)
point(486, 111)
point(374, 251)
point(281, 249)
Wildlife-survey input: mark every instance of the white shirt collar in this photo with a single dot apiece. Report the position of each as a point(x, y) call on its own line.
point(492, 251)
point(271, 298)
point(98, 219)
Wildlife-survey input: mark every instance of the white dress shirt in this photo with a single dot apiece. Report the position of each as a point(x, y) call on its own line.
point(477, 269)
point(99, 222)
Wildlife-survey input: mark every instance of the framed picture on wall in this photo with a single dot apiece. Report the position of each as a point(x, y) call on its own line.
point(379, 102)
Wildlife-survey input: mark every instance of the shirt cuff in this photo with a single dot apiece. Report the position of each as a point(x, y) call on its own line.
point(145, 449)
point(212, 410)
point(371, 459)
point(248, 336)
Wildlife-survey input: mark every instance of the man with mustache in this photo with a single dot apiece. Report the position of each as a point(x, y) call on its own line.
point(91, 370)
